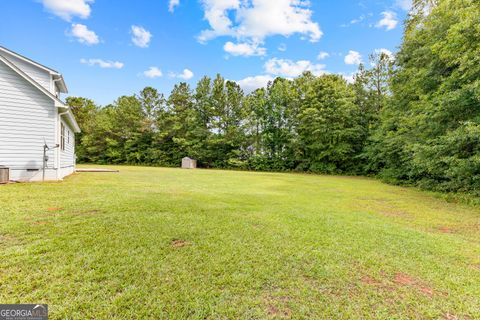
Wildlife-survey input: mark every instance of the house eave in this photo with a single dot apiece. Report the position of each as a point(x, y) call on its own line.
point(60, 82)
point(66, 111)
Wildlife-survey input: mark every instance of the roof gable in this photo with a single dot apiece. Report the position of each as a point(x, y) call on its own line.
point(55, 74)
point(58, 102)
point(19, 56)
point(29, 79)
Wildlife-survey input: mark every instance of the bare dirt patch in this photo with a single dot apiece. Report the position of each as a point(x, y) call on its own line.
point(52, 209)
point(371, 281)
point(277, 307)
point(404, 279)
point(445, 229)
point(179, 243)
point(7, 238)
point(379, 284)
point(451, 316)
point(400, 279)
point(427, 291)
point(93, 211)
point(273, 311)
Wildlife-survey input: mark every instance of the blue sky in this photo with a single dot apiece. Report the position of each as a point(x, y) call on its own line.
point(106, 49)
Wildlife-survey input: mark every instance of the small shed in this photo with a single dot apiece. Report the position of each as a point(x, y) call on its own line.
point(188, 163)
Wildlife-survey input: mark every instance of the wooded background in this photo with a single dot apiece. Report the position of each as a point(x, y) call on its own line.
point(411, 119)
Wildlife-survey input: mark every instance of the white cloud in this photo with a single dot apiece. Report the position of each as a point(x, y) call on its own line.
point(102, 63)
point(153, 72)
point(66, 9)
point(288, 68)
point(353, 57)
point(258, 19)
point(185, 75)
point(357, 20)
point(389, 20)
point(172, 4)
point(349, 77)
point(140, 36)
point(83, 34)
point(244, 49)
point(385, 51)
point(250, 84)
point(404, 4)
point(323, 55)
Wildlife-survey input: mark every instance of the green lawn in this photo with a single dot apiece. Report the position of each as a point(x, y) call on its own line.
point(174, 244)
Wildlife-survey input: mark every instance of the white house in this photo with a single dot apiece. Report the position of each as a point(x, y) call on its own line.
point(32, 116)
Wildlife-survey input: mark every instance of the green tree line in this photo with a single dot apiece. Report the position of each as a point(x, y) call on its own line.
point(413, 118)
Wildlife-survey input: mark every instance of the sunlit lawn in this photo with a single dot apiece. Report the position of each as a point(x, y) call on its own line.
point(175, 244)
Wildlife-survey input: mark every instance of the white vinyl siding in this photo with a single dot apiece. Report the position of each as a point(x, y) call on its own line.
point(67, 156)
point(41, 76)
point(27, 121)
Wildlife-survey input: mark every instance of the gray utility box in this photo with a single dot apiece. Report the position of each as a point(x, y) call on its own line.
point(4, 174)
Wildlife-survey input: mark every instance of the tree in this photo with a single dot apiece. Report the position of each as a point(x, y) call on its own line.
point(153, 107)
point(183, 129)
point(254, 105)
point(427, 131)
point(372, 94)
point(225, 123)
point(329, 126)
point(85, 111)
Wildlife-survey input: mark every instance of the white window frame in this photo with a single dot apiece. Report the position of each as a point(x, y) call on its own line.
point(62, 136)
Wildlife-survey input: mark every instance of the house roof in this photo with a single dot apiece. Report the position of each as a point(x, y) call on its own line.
point(58, 103)
point(56, 75)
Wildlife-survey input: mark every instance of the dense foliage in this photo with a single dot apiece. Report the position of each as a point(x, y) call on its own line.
point(429, 130)
point(411, 119)
point(310, 123)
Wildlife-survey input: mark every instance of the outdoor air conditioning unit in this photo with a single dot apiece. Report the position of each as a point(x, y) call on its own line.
point(4, 174)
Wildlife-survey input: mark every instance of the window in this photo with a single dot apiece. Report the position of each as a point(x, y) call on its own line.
point(62, 136)
point(68, 136)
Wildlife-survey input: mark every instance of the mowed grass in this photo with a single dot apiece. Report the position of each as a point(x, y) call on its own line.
point(210, 244)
